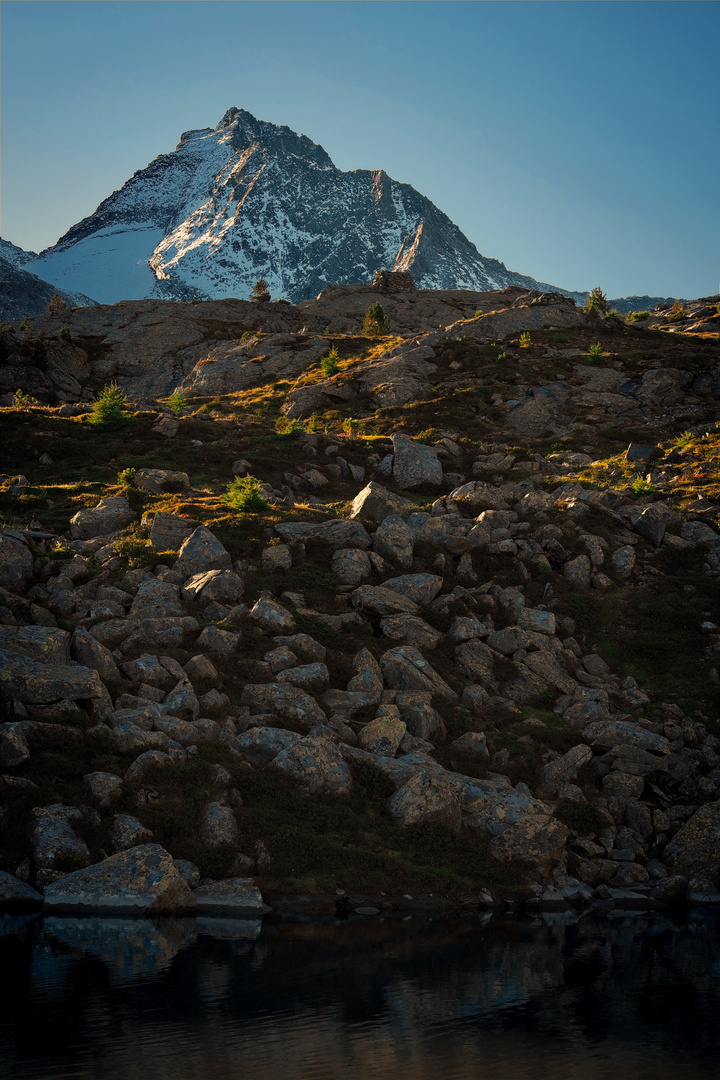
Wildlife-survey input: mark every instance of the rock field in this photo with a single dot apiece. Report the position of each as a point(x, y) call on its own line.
point(460, 651)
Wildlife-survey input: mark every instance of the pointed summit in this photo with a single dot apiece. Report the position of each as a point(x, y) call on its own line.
point(251, 199)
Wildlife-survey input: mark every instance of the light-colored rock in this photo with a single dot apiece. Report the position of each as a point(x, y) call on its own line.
point(236, 898)
point(276, 558)
point(393, 540)
point(109, 516)
point(272, 617)
point(405, 668)
point(410, 630)
point(339, 533)
point(382, 735)
point(219, 586)
point(260, 745)
point(104, 788)
point(624, 561)
point(381, 601)
point(56, 845)
point(474, 743)
point(313, 675)
point(157, 599)
point(202, 551)
point(161, 481)
point(564, 770)
point(427, 797)
point(418, 715)
point(218, 642)
point(219, 826)
point(539, 622)
point(16, 560)
point(141, 881)
point(317, 766)
point(282, 699)
point(578, 572)
point(376, 503)
point(538, 839)
point(625, 733)
point(415, 464)
point(43, 643)
point(127, 832)
point(169, 532)
point(351, 566)
point(421, 588)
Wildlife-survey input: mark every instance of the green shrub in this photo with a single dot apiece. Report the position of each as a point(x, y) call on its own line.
point(21, 400)
point(243, 495)
point(640, 487)
point(109, 408)
point(560, 339)
point(64, 334)
point(596, 302)
point(260, 291)
point(330, 364)
point(375, 324)
point(595, 353)
point(351, 427)
point(583, 817)
point(525, 340)
point(126, 478)
point(177, 402)
point(637, 316)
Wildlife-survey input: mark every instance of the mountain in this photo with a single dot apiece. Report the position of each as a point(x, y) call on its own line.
point(23, 294)
point(250, 198)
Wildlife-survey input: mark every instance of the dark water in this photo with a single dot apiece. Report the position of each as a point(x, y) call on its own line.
point(550, 998)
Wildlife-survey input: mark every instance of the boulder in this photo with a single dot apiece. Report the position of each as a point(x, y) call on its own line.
point(393, 540)
point(161, 481)
point(169, 532)
point(143, 880)
point(260, 745)
point(221, 643)
point(317, 765)
point(625, 733)
point(276, 558)
point(415, 464)
point(104, 788)
point(382, 735)
point(220, 586)
point(127, 832)
point(202, 551)
point(538, 839)
point(41, 684)
point(351, 566)
point(695, 848)
point(652, 523)
point(272, 617)
point(376, 502)
point(313, 675)
point(405, 668)
point(289, 702)
point(338, 533)
point(109, 516)
point(16, 560)
point(381, 601)
point(56, 845)
point(43, 643)
point(219, 826)
point(89, 652)
point(565, 769)
point(410, 630)
point(427, 797)
point(578, 572)
point(15, 895)
point(160, 671)
point(157, 599)
point(235, 897)
point(421, 588)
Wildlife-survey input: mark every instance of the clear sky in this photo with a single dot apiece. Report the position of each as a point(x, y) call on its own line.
point(576, 141)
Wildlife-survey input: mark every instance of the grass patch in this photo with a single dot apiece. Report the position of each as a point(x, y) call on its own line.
point(582, 817)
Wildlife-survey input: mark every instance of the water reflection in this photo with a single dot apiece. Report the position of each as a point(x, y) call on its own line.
point(558, 998)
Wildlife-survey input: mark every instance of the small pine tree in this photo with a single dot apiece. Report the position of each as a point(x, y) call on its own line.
point(375, 324)
point(260, 291)
point(596, 302)
point(56, 305)
point(109, 408)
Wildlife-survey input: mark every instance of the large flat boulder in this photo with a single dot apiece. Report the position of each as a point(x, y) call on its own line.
point(141, 881)
point(41, 684)
point(235, 897)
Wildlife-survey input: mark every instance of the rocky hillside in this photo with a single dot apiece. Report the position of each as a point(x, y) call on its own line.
point(426, 618)
point(250, 198)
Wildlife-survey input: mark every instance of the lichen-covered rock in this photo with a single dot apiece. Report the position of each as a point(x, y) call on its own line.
point(110, 515)
point(538, 839)
point(394, 541)
point(127, 832)
point(89, 652)
point(474, 743)
point(351, 566)
point(104, 788)
point(56, 845)
point(289, 702)
point(43, 643)
point(317, 766)
point(221, 586)
point(202, 551)
point(565, 769)
point(41, 684)
point(143, 880)
point(160, 671)
point(169, 532)
point(410, 630)
point(376, 503)
point(260, 745)
point(236, 897)
point(15, 895)
point(161, 481)
point(405, 668)
point(625, 733)
point(219, 826)
point(382, 735)
point(695, 848)
point(272, 617)
point(313, 675)
point(218, 642)
point(427, 797)
point(16, 560)
point(415, 464)
point(381, 601)
point(14, 748)
point(422, 588)
point(624, 561)
point(339, 533)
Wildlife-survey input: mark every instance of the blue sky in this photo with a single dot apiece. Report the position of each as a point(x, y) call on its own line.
point(576, 141)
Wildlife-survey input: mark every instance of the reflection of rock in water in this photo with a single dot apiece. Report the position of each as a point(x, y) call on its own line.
point(437, 999)
point(130, 947)
point(13, 924)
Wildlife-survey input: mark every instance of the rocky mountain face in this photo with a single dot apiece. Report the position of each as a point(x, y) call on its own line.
point(387, 615)
point(250, 198)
